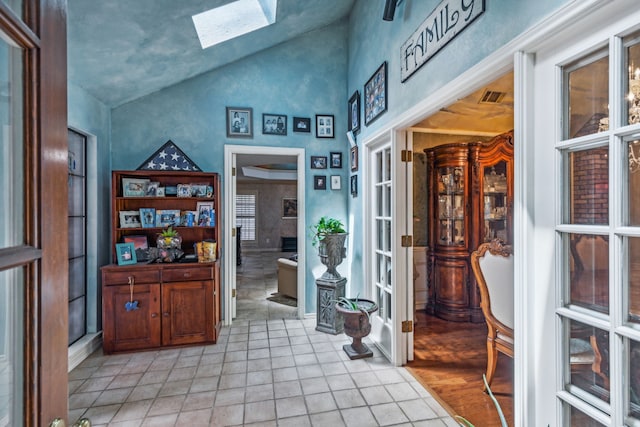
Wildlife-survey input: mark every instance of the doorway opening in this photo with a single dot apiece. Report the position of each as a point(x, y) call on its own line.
point(450, 333)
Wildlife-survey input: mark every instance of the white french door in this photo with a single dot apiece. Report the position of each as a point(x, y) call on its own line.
point(388, 189)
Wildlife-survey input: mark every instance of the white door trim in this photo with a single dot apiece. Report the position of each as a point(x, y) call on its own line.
point(228, 203)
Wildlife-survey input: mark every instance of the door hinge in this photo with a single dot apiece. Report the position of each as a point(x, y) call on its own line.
point(233, 171)
point(407, 241)
point(233, 232)
point(233, 293)
point(406, 155)
point(407, 326)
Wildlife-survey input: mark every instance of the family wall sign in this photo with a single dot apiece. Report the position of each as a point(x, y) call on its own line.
point(447, 20)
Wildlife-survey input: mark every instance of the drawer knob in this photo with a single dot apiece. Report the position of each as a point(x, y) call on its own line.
point(154, 315)
point(187, 274)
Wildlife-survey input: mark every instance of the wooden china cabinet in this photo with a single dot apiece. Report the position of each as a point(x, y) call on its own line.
point(471, 202)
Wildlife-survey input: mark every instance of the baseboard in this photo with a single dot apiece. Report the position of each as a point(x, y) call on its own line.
point(83, 348)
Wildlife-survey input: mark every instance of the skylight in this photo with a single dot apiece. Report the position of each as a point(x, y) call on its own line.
point(233, 20)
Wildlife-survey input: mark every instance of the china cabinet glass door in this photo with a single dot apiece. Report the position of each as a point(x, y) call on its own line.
point(494, 199)
point(451, 206)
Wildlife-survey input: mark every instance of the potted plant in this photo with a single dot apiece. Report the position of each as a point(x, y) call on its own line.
point(356, 313)
point(169, 239)
point(329, 234)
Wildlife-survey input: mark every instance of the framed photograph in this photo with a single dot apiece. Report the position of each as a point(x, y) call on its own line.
point(130, 219)
point(139, 241)
point(148, 217)
point(183, 190)
point(199, 190)
point(126, 253)
point(353, 158)
point(239, 122)
point(301, 124)
point(354, 112)
point(274, 124)
point(152, 189)
point(171, 190)
point(336, 160)
point(318, 162)
point(167, 217)
point(336, 182)
point(289, 208)
point(354, 185)
point(324, 126)
point(319, 182)
point(205, 214)
point(375, 95)
point(160, 192)
point(134, 187)
point(189, 218)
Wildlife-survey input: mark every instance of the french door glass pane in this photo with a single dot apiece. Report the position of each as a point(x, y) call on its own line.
point(588, 178)
point(11, 145)
point(580, 419)
point(633, 264)
point(11, 346)
point(634, 381)
point(587, 109)
point(633, 184)
point(589, 359)
point(15, 6)
point(633, 80)
point(589, 271)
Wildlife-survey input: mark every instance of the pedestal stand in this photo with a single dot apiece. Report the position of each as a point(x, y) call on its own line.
point(328, 292)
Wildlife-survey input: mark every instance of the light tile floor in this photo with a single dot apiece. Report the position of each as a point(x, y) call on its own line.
point(261, 372)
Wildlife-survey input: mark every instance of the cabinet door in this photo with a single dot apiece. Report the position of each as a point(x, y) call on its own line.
point(187, 312)
point(135, 328)
point(495, 211)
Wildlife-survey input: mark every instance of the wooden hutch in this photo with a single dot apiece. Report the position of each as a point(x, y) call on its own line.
point(178, 303)
point(471, 202)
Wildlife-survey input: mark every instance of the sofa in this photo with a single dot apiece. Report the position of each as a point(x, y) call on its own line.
point(288, 277)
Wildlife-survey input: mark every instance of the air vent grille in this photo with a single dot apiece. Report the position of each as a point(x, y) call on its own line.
point(491, 97)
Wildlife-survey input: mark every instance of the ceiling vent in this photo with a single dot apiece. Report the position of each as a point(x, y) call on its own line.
point(491, 97)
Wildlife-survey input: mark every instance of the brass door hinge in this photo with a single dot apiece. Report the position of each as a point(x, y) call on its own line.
point(407, 326)
point(406, 156)
point(233, 232)
point(407, 241)
point(233, 171)
point(233, 293)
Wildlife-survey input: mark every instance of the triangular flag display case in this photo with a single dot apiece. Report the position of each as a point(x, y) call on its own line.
point(170, 158)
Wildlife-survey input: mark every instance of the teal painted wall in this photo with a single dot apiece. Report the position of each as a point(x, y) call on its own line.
point(303, 77)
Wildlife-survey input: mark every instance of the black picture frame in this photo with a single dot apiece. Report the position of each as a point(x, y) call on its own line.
point(239, 122)
point(375, 95)
point(319, 182)
point(353, 158)
point(354, 112)
point(274, 124)
point(353, 185)
point(289, 207)
point(302, 124)
point(318, 162)
point(324, 126)
point(336, 160)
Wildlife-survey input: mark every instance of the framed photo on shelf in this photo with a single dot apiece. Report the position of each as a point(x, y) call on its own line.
point(206, 214)
point(139, 241)
point(126, 253)
point(239, 122)
point(336, 182)
point(160, 192)
point(375, 95)
point(320, 182)
point(289, 208)
point(353, 158)
point(199, 190)
point(148, 217)
point(354, 185)
point(336, 160)
point(324, 125)
point(354, 112)
point(189, 218)
point(301, 124)
point(183, 190)
point(274, 124)
point(167, 217)
point(152, 189)
point(134, 187)
point(318, 162)
point(130, 219)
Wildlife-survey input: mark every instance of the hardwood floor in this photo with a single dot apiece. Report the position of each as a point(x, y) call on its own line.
point(450, 358)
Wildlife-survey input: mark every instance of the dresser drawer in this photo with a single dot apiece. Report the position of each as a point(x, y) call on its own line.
point(187, 273)
point(121, 277)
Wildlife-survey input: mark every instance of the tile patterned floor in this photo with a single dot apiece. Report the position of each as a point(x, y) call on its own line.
point(262, 372)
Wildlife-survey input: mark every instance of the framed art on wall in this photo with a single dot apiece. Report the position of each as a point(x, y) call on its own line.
point(274, 124)
point(353, 158)
point(320, 182)
point(354, 112)
point(318, 162)
point(336, 160)
point(301, 124)
point(375, 95)
point(239, 122)
point(289, 208)
point(324, 125)
point(354, 185)
point(336, 182)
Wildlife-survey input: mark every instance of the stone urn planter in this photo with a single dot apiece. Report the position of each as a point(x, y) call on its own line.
point(332, 251)
point(356, 313)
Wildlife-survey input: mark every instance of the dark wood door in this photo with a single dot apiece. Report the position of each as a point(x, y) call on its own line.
point(187, 312)
point(129, 326)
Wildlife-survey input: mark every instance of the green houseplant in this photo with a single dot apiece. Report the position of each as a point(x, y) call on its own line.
point(324, 227)
point(329, 235)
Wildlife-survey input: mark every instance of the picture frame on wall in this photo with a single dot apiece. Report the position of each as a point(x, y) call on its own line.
point(324, 126)
point(239, 122)
point(336, 182)
point(319, 182)
point(375, 95)
point(289, 208)
point(126, 253)
point(353, 185)
point(318, 162)
point(274, 124)
point(302, 124)
point(353, 158)
point(354, 112)
point(336, 160)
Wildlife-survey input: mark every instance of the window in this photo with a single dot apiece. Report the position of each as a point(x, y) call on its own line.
point(246, 215)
